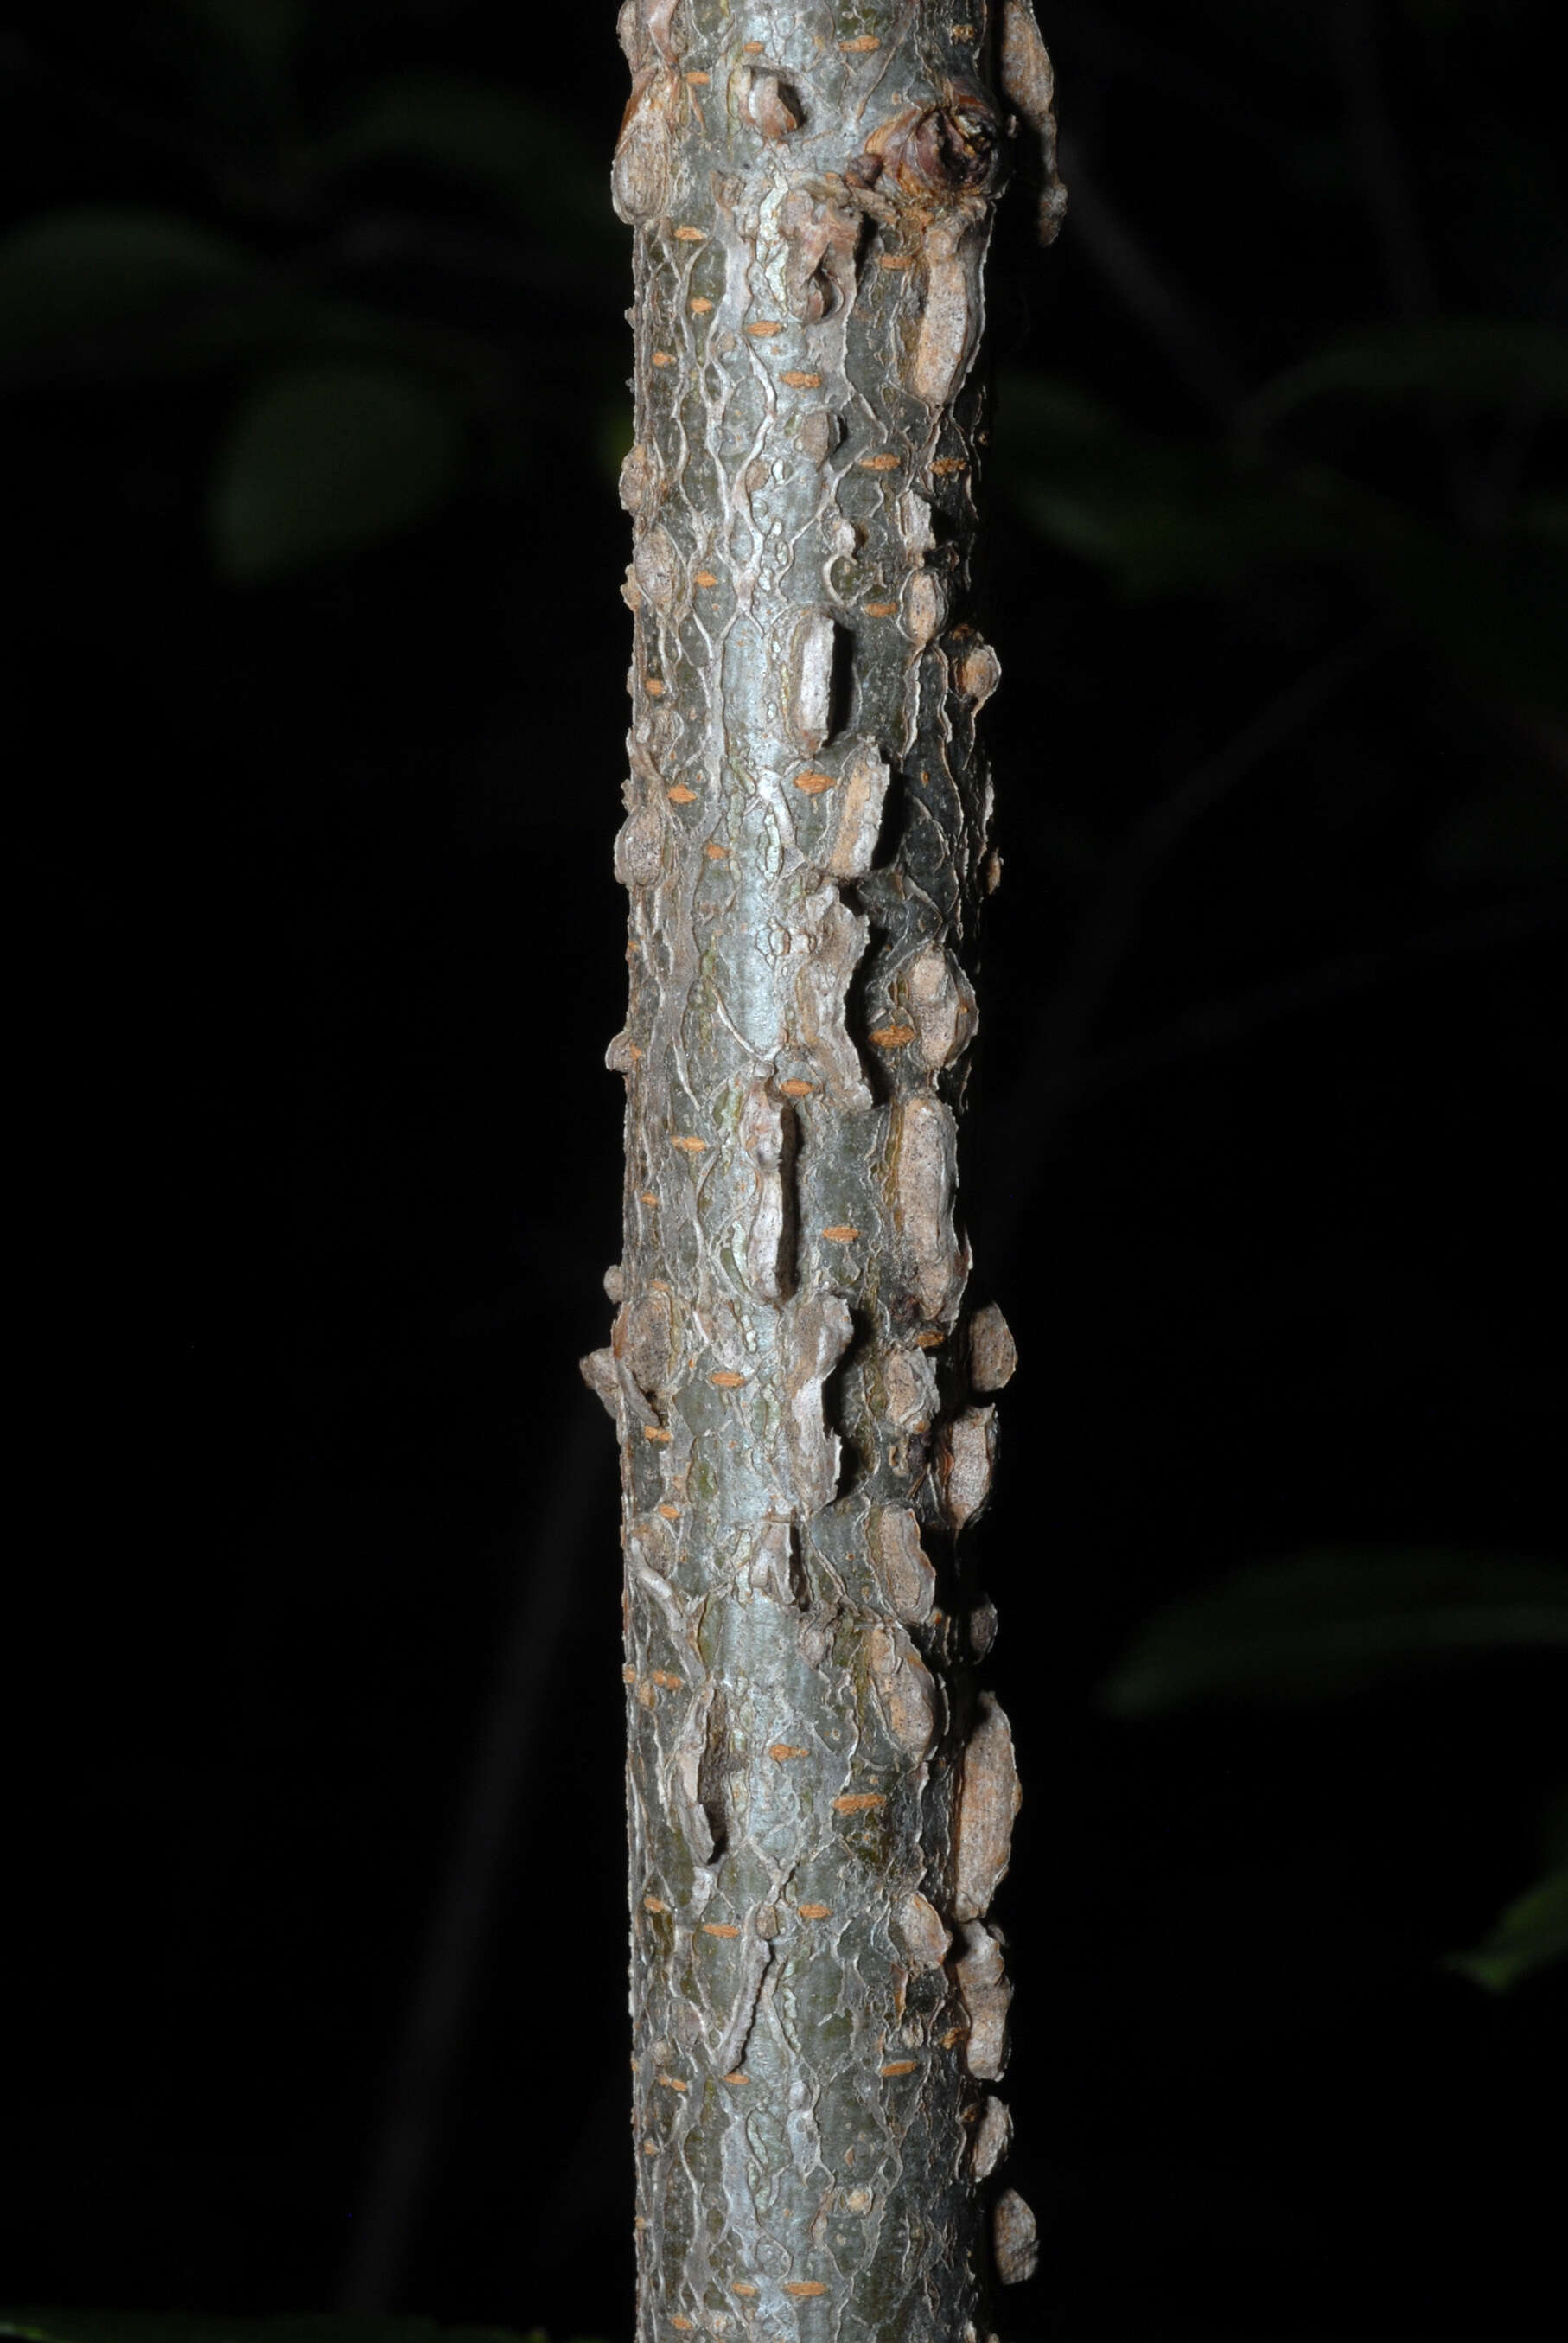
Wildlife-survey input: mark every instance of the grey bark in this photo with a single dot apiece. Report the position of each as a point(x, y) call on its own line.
point(820, 1797)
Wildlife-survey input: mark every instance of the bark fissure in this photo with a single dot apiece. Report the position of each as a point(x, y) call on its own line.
point(820, 1798)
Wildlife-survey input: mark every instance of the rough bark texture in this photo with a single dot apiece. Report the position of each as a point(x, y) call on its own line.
point(820, 1799)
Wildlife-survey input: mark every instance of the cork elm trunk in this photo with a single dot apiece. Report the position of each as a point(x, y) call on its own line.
point(820, 1797)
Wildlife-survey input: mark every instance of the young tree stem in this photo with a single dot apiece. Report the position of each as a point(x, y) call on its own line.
point(820, 1797)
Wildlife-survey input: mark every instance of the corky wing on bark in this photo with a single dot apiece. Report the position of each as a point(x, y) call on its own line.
point(820, 1801)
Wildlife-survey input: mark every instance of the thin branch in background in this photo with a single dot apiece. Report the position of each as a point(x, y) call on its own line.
point(1147, 290)
point(1403, 245)
point(1093, 49)
point(550, 1583)
point(1497, 490)
point(1406, 264)
point(1053, 1070)
point(1215, 1024)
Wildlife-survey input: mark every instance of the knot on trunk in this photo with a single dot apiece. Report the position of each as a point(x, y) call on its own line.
point(949, 148)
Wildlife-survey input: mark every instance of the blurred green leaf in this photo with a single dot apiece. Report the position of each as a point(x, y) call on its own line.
point(1163, 517)
point(1335, 1620)
point(156, 2326)
point(112, 307)
point(274, 321)
point(532, 160)
point(1500, 617)
point(1477, 361)
point(326, 459)
point(76, 274)
point(1543, 520)
point(1517, 829)
point(1525, 1936)
point(264, 32)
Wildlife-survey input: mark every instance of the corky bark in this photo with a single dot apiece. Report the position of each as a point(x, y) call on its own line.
point(820, 1798)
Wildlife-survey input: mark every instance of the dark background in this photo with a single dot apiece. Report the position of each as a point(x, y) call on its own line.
point(314, 1834)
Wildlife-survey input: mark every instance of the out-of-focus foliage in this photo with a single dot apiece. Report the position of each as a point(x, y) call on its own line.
point(327, 459)
point(1167, 518)
point(1532, 1931)
point(264, 32)
point(492, 140)
point(363, 435)
point(1321, 1624)
point(1456, 362)
point(72, 280)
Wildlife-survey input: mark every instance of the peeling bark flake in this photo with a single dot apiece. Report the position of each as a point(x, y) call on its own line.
point(835, 940)
point(910, 1386)
point(965, 1459)
point(1015, 2239)
point(941, 1005)
point(904, 1574)
point(598, 1372)
point(986, 1994)
point(687, 1771)
point(638, 477)
point(859, 815)
point(776, 1570)
point(988, 1800)
point(922, 1144)
point(977, 672)
point(925, 1938)
point(642, 177)
point(951, 316)
point(767, 1135)
point(904, 1689)
point(770, 103)
point(811, 679)
point(818, 1335)
point(1027, 83)
point(993, 1354)
point(656, 566)
point(993, 2137)
point(821, 231)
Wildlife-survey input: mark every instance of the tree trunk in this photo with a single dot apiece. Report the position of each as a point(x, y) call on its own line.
point(820, 1799)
